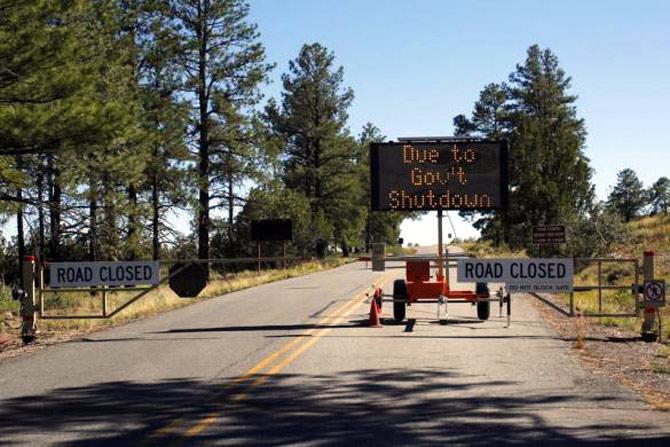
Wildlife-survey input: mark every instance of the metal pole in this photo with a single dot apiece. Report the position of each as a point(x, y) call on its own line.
point(40, 291)
point(509, 310)
point(284, 260)
point(440, 270)
point(104, 301)
point(572, 294)
point(258, 256)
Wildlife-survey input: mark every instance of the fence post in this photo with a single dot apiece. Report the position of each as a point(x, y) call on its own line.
point(649, 331)
point(28, 314)
point(600, 289)
point(572, 293)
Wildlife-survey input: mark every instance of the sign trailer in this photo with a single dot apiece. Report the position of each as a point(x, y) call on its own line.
point(438, 173)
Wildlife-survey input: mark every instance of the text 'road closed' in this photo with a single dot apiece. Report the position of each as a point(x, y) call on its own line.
point(85, 274)
point(531, 275)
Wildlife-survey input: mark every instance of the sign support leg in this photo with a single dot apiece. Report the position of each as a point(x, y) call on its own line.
point(509, 309)
point(440, 260)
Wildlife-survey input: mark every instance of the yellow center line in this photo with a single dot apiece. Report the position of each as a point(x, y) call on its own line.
point(336, 316)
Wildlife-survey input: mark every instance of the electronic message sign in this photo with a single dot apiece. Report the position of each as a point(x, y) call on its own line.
point(445, 175)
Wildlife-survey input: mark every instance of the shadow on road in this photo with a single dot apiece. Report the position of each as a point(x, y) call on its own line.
point(371, 407)
point(259, 328)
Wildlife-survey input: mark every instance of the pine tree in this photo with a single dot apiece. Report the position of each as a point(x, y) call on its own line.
point(164, 119)
point(628, 196)
point(56, 100)
point(380, 226)
point(223, 63)
point(659, 196)
point(320, 157)
point(549, 172)
point(488, 120)
point(488, 116)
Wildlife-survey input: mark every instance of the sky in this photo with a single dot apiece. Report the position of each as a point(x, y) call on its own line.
point(414, 65)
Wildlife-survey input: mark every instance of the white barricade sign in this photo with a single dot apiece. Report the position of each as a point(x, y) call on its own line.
point(520, 275)
point(86, 274)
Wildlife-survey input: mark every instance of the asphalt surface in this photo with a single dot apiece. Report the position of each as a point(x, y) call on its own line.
point(294, 363)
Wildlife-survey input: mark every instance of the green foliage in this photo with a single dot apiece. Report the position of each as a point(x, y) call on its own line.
point(549, 173)
point(380, 226)
point(488, 115)
point(275, 201)
point(222, 67)
point(594, 233)
point(320, 158)
point(659, 196)
point(628, 196)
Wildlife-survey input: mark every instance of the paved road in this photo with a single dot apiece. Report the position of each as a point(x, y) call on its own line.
point(292, 363)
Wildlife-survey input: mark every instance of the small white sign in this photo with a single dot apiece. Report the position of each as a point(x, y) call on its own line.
point(520, 275)
point(121, 273)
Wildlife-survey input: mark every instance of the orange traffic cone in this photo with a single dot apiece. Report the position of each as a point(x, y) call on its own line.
point(374, 314)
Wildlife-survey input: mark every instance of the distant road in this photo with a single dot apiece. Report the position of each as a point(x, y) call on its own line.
point(293, 363)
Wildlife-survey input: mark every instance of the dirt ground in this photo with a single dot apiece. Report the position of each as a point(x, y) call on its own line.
point(616, 352)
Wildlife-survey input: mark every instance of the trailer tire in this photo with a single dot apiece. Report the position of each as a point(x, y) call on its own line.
point(483, 307)
point(399, 293)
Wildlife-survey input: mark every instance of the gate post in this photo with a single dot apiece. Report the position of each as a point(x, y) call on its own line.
point(649, 331)
point(28, 310)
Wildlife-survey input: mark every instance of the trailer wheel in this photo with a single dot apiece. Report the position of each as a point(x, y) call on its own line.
point(483, 307)
point(399, 293)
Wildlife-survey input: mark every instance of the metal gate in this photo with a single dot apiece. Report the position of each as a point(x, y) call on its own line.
point(42, 290)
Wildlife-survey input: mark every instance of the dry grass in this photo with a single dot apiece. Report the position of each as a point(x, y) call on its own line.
point(485, 249)
point(649, 233)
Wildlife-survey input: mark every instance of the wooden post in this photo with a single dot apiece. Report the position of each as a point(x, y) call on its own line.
point(600, 289)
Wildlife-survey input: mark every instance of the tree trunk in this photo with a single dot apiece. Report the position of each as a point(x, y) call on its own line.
point(109, 234)
point(93, 231)
point(40, 214)
point(203, 142)
point(93, 221)
point(345, 250)
point(231, 202)
point(155, 222)
point(20, 238)
point(54, 193)
point(318, 186)
point(132, 223)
